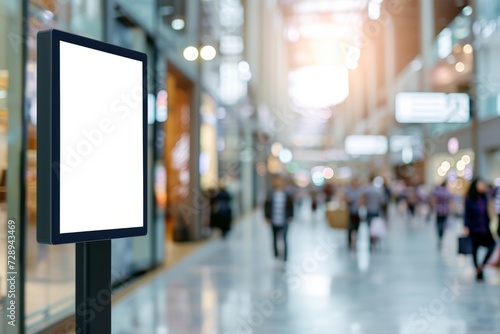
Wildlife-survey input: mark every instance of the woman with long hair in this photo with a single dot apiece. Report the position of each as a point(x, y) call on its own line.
point(477, 223)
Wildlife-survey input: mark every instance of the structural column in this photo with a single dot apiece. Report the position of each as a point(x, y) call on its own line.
point(427, 41)
point(196, 202)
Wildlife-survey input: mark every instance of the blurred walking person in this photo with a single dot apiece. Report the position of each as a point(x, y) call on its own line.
point(440, 200)
point(373, 199)
point(352, 199)
point(477, 224)
point(278, 211)
point(222, 214)
point(412, 200)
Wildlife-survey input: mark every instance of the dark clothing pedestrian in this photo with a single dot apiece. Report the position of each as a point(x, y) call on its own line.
point(412, 200)
point(278, 210)
point(221, 215)
point(441, 199)
point(352, 199)
point(477, 220)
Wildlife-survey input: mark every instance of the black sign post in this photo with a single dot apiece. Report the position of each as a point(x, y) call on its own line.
point(93, 287)
point(91, 159)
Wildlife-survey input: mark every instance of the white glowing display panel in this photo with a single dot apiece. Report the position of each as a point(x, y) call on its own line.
point(98, 117)
point(366, 145)
point(432, 108)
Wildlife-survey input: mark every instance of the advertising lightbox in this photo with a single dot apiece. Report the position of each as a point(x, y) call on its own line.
point(366, 145)
point(92, 122)
point(422, 107)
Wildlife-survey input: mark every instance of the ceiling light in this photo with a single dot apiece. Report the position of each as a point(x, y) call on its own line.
point(208, 52)
point(178, 24)
point(460, 67)
point(190, 53)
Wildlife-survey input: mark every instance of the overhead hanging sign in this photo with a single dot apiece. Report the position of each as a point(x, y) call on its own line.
point(366, 145)
point(422, 107)
point(92, 121)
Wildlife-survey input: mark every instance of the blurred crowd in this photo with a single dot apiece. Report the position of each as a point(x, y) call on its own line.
point(349, 204)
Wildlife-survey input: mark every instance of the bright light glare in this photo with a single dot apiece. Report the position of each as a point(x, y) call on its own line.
point(243, 66)
point(467, 11)
point(467, 48)
point(244, 69)
point(276, 149)
point(374, 10)
point(178, 24)
point(460, 165)
point(466, 159)
point(319, 86)
point(444, 43)
point(318, 178)
point(162, 106)
point(208, 52)
point(328, 173)
point(407, 155)
point(285, 156)
point(460, 67)
point(190, 53)
point(453, 145)
point(445, 166)
point(441, 172)
point(352, 57)
point(366, 145)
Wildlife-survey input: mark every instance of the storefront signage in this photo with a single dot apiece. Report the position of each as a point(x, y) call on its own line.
point(432, 108)
point(366, 145)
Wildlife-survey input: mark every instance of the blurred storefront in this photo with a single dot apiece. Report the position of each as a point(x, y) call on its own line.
point(50, 269)
point(177, 89)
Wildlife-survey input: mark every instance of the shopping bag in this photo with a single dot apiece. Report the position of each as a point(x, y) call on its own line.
point(378, 228)
point(337, 215)
point(464, 245)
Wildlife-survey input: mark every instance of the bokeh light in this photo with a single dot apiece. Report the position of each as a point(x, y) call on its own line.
point(190, 53)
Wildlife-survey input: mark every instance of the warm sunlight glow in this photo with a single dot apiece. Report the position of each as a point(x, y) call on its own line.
point(319, 86)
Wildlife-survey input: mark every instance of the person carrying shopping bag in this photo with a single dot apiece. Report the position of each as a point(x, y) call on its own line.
point(477, 224)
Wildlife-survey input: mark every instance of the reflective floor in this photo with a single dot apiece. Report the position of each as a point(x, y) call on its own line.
point(235, 286)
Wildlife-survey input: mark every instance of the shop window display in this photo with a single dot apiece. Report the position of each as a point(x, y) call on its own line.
point(49, 270)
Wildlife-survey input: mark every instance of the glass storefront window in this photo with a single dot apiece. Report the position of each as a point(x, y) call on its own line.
point(173, 14)
point(4, 91)
point(11, 161)
point(488, 72)
point(142, 11)
point(50, 270)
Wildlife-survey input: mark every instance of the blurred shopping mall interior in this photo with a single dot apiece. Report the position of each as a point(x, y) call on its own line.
point(331, 96)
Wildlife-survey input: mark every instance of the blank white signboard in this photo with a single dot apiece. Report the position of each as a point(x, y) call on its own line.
point(101, 138)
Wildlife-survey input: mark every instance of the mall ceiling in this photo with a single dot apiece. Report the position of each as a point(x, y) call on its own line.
point(312, 25)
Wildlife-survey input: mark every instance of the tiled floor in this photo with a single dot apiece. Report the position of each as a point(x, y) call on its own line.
point(236, 287)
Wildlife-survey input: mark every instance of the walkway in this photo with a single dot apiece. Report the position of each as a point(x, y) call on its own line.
point(236, 287)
